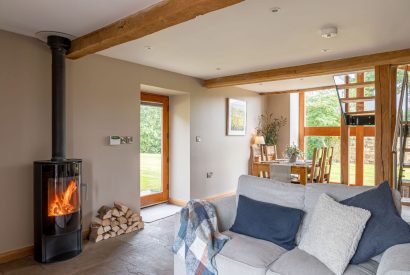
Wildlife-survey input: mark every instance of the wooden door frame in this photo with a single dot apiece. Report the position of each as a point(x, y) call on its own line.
point(164, 196)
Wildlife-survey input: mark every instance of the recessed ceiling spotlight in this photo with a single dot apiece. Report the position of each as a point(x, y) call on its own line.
point(275, 9)
point(218, 69)
point(328, 32)
point(325, 50)
point(148, 47)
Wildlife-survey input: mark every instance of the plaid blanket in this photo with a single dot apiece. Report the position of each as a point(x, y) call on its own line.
point(198, 239)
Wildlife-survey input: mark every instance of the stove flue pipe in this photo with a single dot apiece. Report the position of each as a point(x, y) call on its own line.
point(59, 46)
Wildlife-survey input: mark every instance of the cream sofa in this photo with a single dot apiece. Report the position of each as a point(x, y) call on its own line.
point(243, 255)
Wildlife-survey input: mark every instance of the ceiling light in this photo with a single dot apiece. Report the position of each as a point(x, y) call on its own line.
point(218, 69)
point(275, 9)
point(325, 50)
point(328, 32)
point(148, 47)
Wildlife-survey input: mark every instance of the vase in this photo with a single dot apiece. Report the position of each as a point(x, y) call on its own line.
point(292, 159)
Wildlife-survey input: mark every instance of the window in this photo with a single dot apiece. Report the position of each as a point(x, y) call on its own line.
point(321, 125)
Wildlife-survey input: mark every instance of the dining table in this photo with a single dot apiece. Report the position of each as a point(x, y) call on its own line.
point(301, 168)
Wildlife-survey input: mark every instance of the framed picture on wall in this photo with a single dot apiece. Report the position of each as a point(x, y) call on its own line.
point(236, 117)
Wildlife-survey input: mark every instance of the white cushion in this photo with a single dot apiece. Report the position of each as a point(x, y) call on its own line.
point(334, 232)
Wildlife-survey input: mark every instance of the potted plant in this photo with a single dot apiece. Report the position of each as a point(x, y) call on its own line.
point(293, 152)
point(269, 127)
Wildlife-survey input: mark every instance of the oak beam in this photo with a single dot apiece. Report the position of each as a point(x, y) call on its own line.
point(344, 143)
point(147, 21)
point(321, 88)
point(385, 120)
point(360, 136)
point(315, 69)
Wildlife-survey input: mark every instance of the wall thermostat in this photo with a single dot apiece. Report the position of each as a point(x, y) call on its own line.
point(115, 140)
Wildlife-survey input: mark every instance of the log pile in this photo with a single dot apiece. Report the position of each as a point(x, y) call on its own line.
point(114, 221)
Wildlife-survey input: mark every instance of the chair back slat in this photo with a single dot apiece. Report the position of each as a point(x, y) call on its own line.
point(326, 167)
point(316, 165)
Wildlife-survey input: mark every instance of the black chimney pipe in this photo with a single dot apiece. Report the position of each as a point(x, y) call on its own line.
point(59, 46)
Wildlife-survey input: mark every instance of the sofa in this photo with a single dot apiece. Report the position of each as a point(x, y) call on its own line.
point(244, 255)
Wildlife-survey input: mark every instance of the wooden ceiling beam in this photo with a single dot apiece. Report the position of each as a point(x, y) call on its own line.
point(351, 64)
point(321, 88)
point(150, 20)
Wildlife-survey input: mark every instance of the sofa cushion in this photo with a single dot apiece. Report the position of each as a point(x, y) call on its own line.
point(385, 227)
point(337, 191)
point(313, 191)
point(243, 255)
point(267, 221)
point(334, 233)
point(297, 261)
point(267, 190)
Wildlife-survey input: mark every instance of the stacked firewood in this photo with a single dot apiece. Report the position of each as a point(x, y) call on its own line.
point(114, 221)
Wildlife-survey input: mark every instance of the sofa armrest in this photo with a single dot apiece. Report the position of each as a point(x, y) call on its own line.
point(225, 212)
point(395, 260)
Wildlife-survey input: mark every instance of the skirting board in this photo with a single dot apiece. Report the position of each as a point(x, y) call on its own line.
point(178, 202)
point(16, 254)
point(211, 198)
point(220, 196)
point(27, 251)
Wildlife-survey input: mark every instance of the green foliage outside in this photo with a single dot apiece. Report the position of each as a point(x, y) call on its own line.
point(150, 133)
point(322, 109)
point(150, 149)
point(150, 175)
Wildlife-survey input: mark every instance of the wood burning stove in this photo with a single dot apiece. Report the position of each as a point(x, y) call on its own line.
point(57, 210)
point(57, 182)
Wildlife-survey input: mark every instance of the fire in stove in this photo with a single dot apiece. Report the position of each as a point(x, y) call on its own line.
point(62, 202)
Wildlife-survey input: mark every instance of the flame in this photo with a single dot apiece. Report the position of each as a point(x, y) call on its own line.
point(62, 203)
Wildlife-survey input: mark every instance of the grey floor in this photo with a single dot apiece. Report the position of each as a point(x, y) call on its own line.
point(144, 253)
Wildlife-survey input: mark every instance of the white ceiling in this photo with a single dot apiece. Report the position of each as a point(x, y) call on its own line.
point(249, 37)
point(241, 38)
point(75, 17)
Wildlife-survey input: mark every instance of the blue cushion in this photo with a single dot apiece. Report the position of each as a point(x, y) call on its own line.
point(384, 229)
point(267, 221)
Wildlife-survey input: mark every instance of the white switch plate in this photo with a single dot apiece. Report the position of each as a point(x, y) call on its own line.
point(115, 140)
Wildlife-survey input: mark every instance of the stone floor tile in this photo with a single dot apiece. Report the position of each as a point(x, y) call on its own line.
point(146, 252)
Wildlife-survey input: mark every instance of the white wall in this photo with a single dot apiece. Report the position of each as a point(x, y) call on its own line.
point(226, 156)
point(180, 147)
point(279, 105)
point(294, 119)
point(102, 100)
point(25, 119)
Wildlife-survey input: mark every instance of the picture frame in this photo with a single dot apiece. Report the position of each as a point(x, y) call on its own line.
point(236, 117)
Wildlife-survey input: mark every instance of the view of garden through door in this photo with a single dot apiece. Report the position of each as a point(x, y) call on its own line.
point(154, 127)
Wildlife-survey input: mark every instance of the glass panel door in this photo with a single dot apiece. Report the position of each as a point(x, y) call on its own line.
point(153, 149)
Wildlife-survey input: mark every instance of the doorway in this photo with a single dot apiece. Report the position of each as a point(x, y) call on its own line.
point(154, 149)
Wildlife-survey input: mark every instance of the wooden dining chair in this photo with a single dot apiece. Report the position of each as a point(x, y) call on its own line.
point(264, 170)
point(326, 167)
point(314, 174)
point(271, 152)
